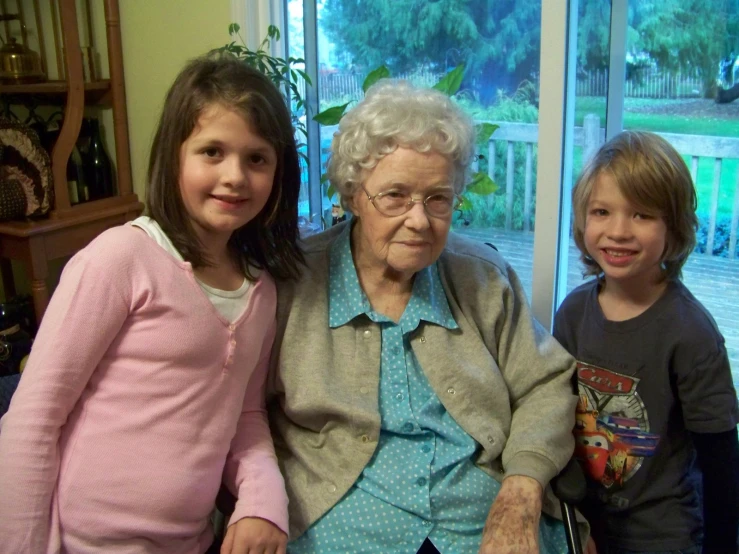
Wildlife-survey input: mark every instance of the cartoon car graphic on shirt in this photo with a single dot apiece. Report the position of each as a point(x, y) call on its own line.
point(592, 448)
point(612, 429)
point(605, 450)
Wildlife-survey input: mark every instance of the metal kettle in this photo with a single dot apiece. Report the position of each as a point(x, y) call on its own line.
point(19, 64)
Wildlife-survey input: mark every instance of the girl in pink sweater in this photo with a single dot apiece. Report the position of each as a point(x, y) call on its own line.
point(144, 389)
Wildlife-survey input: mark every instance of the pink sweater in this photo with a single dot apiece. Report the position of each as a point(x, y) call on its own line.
point(137, 399)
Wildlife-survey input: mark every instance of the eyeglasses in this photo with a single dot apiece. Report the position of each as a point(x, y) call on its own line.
point(393, 203)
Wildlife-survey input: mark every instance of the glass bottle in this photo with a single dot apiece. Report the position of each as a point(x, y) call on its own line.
point(76, 182)
point(98, 167)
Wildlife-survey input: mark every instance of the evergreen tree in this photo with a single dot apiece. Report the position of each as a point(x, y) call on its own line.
point(497, 40)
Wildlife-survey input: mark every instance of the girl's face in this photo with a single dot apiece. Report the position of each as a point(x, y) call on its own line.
point(226, 175)
point(626, 242)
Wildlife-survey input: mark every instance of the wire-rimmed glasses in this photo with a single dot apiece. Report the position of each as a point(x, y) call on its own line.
point(393, 203)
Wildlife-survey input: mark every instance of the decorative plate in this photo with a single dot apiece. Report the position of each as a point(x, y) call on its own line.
point(23, 159)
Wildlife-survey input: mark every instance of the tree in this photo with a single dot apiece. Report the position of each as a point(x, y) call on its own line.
point(681, 34)
point(675, 34)
point(497, 40)
point(592, 34)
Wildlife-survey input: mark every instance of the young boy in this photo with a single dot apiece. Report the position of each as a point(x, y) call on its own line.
point(657, 416)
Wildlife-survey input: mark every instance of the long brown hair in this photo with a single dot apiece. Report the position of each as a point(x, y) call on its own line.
point(269, 240)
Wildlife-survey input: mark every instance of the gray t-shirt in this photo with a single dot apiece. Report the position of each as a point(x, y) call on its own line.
point(644, 384)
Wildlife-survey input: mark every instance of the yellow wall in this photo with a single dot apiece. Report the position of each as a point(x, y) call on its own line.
point(158, 38)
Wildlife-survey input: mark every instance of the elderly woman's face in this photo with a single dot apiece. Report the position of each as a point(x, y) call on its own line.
point(407, 243)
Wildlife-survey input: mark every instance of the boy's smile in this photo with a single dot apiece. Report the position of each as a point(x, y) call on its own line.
point(627, 242)
point(619, 256)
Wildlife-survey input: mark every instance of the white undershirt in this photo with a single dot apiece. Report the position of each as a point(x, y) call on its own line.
point(229, 303)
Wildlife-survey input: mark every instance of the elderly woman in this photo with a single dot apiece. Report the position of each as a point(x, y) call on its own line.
point(415, 402)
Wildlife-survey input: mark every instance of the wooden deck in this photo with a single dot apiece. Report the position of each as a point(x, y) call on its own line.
point(714, 281)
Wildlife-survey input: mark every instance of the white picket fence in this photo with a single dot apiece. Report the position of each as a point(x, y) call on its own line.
point(343, 86)
point(651, 83)
point(647, 83)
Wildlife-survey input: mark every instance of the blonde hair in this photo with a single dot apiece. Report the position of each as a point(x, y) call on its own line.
point(652, 176)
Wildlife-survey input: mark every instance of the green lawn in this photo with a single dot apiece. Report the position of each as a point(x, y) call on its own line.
point(675, 123)
point(665, 123)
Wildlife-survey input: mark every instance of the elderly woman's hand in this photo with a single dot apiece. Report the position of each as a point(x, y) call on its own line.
point(512, 525)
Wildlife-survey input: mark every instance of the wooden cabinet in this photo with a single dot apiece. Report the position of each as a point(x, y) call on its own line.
point(70, 227)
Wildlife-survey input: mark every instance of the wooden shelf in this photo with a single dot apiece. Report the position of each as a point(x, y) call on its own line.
point(68, 228)
point(78, 215)
point(55, 92)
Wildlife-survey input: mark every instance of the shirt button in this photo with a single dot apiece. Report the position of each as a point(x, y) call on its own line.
point(491, 439)
point(367, 333)
point(365, 438)
point(426, 448)
point(233, 342)
point(232, 327)
point(395, 351)
point(399, 396)
point(332, 488)
point(363, 390)
point(421, 481)
point(408, 427)
point(423, 339)
point(451, 390)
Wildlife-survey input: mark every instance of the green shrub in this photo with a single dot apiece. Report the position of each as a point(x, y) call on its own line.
point(721, 236)
point(490, 211)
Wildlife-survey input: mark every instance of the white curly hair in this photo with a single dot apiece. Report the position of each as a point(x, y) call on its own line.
point(396, 114)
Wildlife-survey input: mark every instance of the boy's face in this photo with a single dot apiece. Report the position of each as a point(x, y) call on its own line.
point(626, 242)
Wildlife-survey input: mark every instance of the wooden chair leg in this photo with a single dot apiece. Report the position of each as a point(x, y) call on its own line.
point(40, 295)
point(39, 270)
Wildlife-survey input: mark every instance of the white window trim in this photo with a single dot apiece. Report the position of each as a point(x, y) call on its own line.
point(556, 133)
point(310, 35)
point(254, 17)
point(617, 67)
point(556, 115)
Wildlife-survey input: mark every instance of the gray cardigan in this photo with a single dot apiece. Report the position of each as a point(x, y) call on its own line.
point(502, 377)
